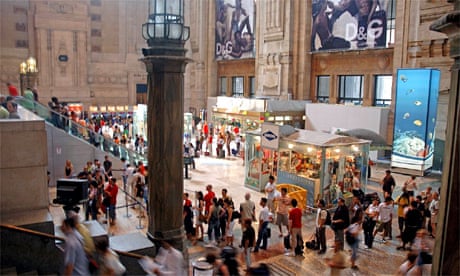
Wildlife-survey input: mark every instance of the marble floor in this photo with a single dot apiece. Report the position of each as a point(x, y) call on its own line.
point(382, 259)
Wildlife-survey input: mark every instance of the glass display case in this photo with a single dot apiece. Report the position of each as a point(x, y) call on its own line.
point(260, 162)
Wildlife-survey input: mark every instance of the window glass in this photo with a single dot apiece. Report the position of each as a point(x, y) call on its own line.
point(237, 86)
point(351, 89)
point(223, 86)
point(322, 89)
point(382, 91)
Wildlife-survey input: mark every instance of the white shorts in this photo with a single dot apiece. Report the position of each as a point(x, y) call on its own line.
point(229, 231)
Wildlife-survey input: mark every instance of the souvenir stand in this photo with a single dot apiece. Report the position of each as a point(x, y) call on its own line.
point(322, 163)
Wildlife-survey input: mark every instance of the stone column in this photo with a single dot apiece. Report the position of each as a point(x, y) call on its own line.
point(446, 252)
point(165, 122)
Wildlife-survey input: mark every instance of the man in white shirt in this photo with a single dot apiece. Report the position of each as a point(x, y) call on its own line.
point(270, 191)
point(264, 219)
point(385, 217)
point(170, 260)
point(321, 216)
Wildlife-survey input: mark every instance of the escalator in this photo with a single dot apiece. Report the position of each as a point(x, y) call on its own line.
point(81, 132)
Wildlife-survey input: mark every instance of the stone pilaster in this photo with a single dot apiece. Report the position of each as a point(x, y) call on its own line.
point(446, 252)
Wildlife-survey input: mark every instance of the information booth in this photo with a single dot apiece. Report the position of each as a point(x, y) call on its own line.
point(321, 163)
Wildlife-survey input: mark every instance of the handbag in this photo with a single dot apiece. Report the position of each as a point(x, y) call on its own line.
point(268, 231)
point(202, 218)
point(350, 238)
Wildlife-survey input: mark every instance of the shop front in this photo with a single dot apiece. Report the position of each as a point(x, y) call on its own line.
point(321, 163)
point(249, 114)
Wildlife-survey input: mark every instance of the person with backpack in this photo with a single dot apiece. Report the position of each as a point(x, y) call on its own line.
point(321, 217)
point(340, 221)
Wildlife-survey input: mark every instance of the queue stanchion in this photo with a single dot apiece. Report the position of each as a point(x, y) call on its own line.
point(140, 226)
point(128, 215)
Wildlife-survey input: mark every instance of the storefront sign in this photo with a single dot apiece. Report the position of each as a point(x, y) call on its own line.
point(270, 136)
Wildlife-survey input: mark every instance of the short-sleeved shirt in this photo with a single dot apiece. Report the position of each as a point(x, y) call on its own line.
point(247, 209)
point(320, 214)
point(385, 212)
point(264, 214)
point(295, 215)
point(388, 183)
point(402, 203)
point(271, 195)
point(208, 200)
point(249, 235)
point(75, 255)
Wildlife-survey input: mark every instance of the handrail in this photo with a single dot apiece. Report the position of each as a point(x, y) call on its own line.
point(79, 131)
point(49, 236)
point(129, 254)
point(31, 232)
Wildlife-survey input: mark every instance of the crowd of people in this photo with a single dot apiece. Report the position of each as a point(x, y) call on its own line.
point(363, 221)
point(113, 134)
point(103, 187)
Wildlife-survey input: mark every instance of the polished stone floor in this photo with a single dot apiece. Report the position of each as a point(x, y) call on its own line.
point(228, 173)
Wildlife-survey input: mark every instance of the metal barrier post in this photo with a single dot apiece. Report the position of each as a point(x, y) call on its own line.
point(140, 226)
point(126, 199)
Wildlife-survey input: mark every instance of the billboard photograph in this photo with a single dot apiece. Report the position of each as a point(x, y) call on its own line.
point(234, 29)
point(348, 24)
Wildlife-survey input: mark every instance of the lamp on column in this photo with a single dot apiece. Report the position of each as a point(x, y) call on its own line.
point(28, 73)
point(165, 33)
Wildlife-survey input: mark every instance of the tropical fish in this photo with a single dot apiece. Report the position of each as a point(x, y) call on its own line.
point(406, 115)
point(410, 91)
point(418, 123)
point(403, 78)
point(417, 103)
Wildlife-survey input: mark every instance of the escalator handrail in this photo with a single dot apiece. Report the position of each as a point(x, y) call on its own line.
point(74, 125)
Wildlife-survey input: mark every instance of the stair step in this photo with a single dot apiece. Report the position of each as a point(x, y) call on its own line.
point(8, 271)
point(33, 272)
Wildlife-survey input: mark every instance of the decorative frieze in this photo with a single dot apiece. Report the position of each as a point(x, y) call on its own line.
point(108, 79)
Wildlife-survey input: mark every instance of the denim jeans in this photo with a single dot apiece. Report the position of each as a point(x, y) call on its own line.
point(262, 236)
point(354, 249)
point(213, 230)
point(112, 213)
point(247, 256)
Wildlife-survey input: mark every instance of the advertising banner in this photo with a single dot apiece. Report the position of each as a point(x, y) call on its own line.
point(234, 29)
point(348, 24)
point(415, 118)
